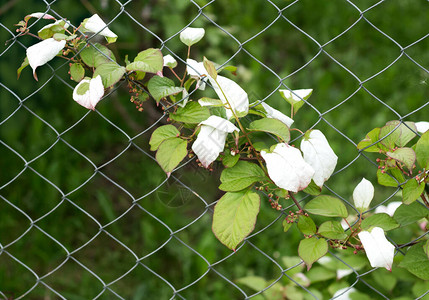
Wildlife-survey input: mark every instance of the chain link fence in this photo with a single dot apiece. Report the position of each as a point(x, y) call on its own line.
point(104, 230)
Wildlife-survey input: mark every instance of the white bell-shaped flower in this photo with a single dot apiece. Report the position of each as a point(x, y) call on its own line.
point(196, 69)
point(96, 25)
point(89, 92)
point(226, 89)
point(389, 208)
point(275, 114)
point(191, 35)
point(42, 52)
point(297, 95)
point(319, 155)
point(363, 194)
point(422, 127)
point(211, 139)
point(169, 61)
point(287, 168)
point(378, 249)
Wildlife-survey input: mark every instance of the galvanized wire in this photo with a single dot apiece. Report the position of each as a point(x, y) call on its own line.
point(136, 202)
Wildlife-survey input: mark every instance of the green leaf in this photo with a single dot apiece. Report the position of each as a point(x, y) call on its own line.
point(310, 250)
point(390, 138)
point(406, 133)
point(381, 220)
point(234, 217)
point(416, 262)
point(170, 153)
point(273, 126)
point(407, 214)
point(83, 88)
point(23, 65)
point(327, 206)
point(405, 156)
point(255, 283)
point(426, 248)
point(205, 101)
point(422, 150)
point(229, 160)
point(296, 105)
point(149, 61)
point(386, 179)
point(161, 134)
point(192, 113)
point(48, 31)
point(318, 274)
point(211, 69)
point(62, 36)
point(77, 72)
point(240, 176)
point(110, 73)
point(93, 56)
point(161, 87)
point(286, 225)
point(397, 174)
point(313, 189)
point(332, 230)
point(306, 225)
point(412, 190)
point(371, 138)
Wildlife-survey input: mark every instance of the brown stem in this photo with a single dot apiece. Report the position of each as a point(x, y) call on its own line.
point(424, 199)
point(177, 76)
point(295, 201)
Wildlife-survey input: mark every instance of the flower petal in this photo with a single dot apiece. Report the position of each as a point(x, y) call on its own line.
point(42, 52)
point(378, 249)
point(38, 15)
point(191, 35)
point(89, 92)
point(422, 127)
point(363, 194)
point(319, 155)
point(275, 114)
point(287, 168)
point(389, 209)
point(235, 95)
point(195, 68)
point(297, 95)
point(169, 61)
point(211, 139)
point(96, 24)
point(344, 293)
point(220, 124)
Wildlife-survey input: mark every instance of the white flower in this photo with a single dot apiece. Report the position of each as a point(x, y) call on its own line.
point(378, 249)
point(89, 92)
point(344, 294)
point(211, 139)
point(319, 155)
point(275, 114)
point(96, 24)
point(389, 209)
point(235, 95)
point(169, 61)
point(297, 95)
point(287, 168)
point(42, 52)
point(59, 22)
point(422, 127)
point(343, 273)
point(197, 70)
point(363, 194)
point(39, 15)
point(191, 35)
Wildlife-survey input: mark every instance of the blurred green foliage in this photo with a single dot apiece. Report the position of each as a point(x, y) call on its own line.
point(80, 175)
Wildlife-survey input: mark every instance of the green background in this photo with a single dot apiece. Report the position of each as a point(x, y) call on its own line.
point(78, 175)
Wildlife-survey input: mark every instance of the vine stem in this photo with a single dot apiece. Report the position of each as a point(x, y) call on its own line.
point(296, 202)
point(424, 199)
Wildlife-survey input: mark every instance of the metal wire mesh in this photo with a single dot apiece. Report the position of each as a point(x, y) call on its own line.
point(104, 174)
